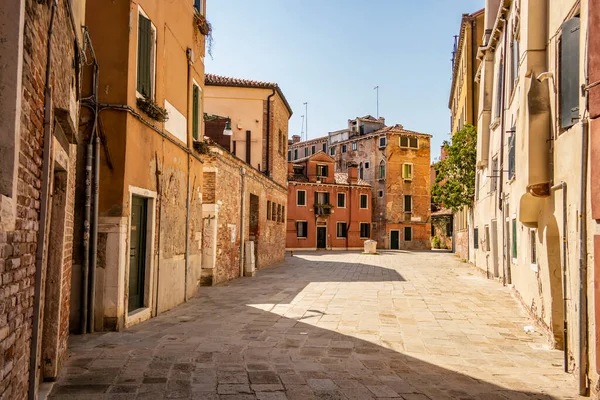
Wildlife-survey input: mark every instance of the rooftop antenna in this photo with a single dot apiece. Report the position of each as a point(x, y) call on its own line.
point(377, 88)
point(306, 118)
point(302, 129)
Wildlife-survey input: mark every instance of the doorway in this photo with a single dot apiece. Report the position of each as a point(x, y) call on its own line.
point(137, 252)
point(395, 240)
point(321, 237)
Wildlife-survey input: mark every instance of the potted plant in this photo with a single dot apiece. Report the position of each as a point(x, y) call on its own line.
point(152, 109)
point(435, 242)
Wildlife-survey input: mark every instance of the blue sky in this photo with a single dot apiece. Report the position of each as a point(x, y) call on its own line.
point(332, 53)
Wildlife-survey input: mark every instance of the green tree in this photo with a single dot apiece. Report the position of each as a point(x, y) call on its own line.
point(454, 186)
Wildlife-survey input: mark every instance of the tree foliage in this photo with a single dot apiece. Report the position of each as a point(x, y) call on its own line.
point(454, 185)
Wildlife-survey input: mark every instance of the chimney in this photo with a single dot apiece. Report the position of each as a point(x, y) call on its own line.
point(295, 138)
point(352, 174)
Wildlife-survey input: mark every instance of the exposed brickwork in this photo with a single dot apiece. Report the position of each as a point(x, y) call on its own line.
point(269, 246)
point(18, 247)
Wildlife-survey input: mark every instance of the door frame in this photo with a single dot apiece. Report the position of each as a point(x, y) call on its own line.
point(395, 230)
point(317, 237)
point(150, 289)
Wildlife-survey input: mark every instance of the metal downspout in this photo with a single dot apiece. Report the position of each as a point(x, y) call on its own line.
point(501, 197)
point(267, 167)
point(583, 308)
point(563, 186)
point(39, 256)
point(94, 228)
point(187, 199)
point(242, 217)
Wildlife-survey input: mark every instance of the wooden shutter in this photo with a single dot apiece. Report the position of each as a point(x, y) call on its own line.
point(569, 73)
point(195, 106)
point(144, 79)
point(268, 210)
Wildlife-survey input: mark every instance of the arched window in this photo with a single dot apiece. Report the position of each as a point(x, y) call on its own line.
point(382, 170)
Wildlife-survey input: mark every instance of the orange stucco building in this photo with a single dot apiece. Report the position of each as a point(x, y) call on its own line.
point(326, 209)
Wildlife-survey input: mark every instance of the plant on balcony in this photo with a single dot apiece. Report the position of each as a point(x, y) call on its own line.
point(323, 209)
point(152, 109)
point(201, 146)
point(205, 29)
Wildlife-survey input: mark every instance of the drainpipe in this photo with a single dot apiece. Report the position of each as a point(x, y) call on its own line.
point(39, 256)
point(159, 196)
point(242, 217)
point(500, 192)
point(187, 200)
point(583, 308)
point(563, 186)
point(267, 170)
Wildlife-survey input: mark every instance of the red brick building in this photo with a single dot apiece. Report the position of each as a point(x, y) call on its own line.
point(41, 53)
point(326, 209)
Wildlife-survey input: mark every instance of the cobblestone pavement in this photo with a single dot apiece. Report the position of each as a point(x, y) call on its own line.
point(400, 325)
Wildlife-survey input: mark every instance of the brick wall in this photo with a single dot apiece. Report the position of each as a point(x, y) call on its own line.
point(270, 238)
point(18, 247)
point(279, 122)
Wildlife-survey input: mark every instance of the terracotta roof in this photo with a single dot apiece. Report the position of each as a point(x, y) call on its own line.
point(341, 178)
point(309, 141)
point(219, 80)
point(310, 156)
point(442, 212)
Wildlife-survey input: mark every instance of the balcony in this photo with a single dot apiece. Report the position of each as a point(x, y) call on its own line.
point(323, 210)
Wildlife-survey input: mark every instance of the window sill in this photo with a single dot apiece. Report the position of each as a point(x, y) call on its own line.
point(301, 238)
point(340, 238)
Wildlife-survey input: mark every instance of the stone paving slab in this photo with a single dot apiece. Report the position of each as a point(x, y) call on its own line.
point(329, 325)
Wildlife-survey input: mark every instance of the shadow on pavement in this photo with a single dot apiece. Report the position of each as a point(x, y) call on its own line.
point(231, 343)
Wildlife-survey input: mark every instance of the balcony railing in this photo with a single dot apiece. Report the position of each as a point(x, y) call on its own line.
point(323, 210)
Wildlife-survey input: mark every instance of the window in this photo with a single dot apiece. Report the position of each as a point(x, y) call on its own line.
point(568, 61)
point(382, 141)
point(306, 152)
point(322, 197)
point(354, 146)
point(274, 212)
point(325, 148)
point(364, 201)
point(533, 245)
point(195, 111)
point(380, 193)
point(289, 155)
point(432, 230)
point(407, 171)
point(408, 234)
point(313, 149)
point(414, 143)
point(322, 170)
point(301, 198)
point(511, 155)
point(146, 57)
point(198, 6)
point(382, 170)
point(282, 213)
point(407, 203)
point(341, 200)
point(344, 148)
point(366, 165)
point(332, 151)
point(514, 238)
point(403, 141)
point(486, 237)
point(365, 230)
point(279, 215)
point(301, 229)
point(268, 210)
point(514, 66)
point(499, 89)
point(360, 171)
point(341, 230)
point(476, 238)
point(295, 154)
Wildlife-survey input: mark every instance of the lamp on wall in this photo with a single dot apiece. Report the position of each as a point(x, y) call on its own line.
point(227, 130)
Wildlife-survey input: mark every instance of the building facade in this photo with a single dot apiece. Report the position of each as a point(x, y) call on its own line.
point(396, 163)
point(144, 121)
point(464, 104)
point(259, 114)
point(301, 149)
point(40, 74)
point(326, 209)
point(533, 218)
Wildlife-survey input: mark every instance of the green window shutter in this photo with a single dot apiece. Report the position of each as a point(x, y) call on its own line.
point(144, 80)
point(195, 105)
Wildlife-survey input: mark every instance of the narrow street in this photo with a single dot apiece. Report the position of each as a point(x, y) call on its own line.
point(329, 326)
